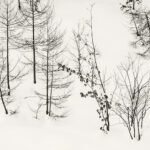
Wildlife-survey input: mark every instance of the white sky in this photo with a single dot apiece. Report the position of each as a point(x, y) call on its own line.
point(110, 26)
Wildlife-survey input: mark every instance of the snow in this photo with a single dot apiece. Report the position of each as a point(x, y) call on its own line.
point(76, 132)
point(80, 129)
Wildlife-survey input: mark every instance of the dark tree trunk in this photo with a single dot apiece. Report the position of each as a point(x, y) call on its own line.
point(8, 80)
point(1, 95)
point(51, 91)
point(33, 44)
point(19, 4)
point(47, 81)
point(107, 113)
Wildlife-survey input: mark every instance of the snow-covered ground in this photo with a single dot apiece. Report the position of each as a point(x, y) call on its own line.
point(80, 129)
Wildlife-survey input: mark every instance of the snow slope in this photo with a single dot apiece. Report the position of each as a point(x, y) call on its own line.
point(78, 131)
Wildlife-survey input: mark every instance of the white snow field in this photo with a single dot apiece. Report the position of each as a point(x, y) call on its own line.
point(80, 129)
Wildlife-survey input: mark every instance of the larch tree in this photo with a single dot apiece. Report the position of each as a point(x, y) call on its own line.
point(34, 12)
point(10, 21)
point(15, 79)
point(140, 25)
point(56, 82)
point(3, 87)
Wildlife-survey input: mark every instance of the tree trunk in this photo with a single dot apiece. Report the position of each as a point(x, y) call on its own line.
point(47, 81)
point(8, 80)
point(107, 113)
point(33, 43)
point(1, 95)
point(51, 91)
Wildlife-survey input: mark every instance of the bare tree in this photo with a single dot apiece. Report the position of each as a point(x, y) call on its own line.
point(55, 80)
point(132, 96)
point(88, 70)
point(15, 79)
point(34, 11)
point(2, 79)
point(9, 21)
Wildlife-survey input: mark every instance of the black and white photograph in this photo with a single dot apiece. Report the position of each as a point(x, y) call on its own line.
point(74, 74)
